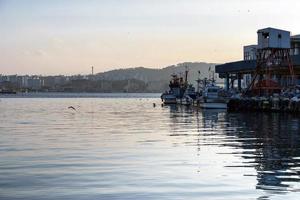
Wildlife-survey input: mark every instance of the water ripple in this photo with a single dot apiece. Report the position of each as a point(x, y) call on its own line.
point(124, 148)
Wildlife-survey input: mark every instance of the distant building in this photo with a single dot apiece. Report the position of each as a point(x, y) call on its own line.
point(34, 83)
point(3, 78)
point(25, 81)
point(60, 80)
point(13, 78)
point(48, 81)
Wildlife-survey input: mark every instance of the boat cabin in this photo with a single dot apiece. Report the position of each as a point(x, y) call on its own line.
point(211, 92)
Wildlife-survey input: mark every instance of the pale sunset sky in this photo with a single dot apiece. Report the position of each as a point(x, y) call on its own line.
point(69, 36)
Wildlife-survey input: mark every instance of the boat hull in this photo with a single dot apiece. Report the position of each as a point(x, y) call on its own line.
point(8, 92)
point(213, 105)
point(185, 101)
point(168, 98)
point(169, 101)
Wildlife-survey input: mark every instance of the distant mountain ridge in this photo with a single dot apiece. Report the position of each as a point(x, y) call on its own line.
point(138, 79)
point(157, 80)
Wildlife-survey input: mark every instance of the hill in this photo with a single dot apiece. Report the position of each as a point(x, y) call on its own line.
point(157, 80)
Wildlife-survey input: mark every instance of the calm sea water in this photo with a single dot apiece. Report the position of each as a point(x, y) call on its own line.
point(125, 148)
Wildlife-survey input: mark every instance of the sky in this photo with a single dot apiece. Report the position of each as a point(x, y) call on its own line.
point(51, 37)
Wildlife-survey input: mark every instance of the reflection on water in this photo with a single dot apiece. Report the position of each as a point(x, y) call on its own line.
point(267, 142)
point(125, 148)
point(271, 144)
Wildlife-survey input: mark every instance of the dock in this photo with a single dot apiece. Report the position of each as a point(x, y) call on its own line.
point(264, 104)
point(268, 77)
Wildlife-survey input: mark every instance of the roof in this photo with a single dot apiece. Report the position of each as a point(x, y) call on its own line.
point(251, 46)
point(295, 38)
point(268, 29)
point(245, 66)
point(237, 66)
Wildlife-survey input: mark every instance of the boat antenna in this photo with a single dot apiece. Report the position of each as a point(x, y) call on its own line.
point(213, 76)
point(198, 81)
point(186, 74)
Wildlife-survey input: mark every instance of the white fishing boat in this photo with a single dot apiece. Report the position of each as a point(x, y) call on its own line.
point(188, 97)
point(175, 85)
point(186, 100)
point(180, 92)
point(168, 98)
point(212, 99)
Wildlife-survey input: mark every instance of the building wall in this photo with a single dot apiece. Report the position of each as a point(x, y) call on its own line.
point(34, 83)
point(250, 52)
point(295, 46)
point(273, 38)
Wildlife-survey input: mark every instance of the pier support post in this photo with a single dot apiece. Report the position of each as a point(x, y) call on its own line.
point(227, 82)
point(278, 77)
point(239, 77)
point(232, 82)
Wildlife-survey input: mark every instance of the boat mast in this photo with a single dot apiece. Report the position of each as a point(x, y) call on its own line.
point(186, 74)
point(198, 82)
point(213, 77)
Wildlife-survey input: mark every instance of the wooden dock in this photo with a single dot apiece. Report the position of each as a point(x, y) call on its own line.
point(264, 104)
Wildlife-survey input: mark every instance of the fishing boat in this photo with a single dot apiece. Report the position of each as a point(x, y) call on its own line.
point(189, 96)
point(186, 101)
point(169, 97)
point(177, 88)
point(212, 98)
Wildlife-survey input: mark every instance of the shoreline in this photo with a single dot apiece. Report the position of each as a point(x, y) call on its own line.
point(80, 95)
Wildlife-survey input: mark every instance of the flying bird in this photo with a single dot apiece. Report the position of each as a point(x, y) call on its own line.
point(71, 107)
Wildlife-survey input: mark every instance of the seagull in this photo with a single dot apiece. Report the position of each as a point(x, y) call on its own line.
point(71, 107)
